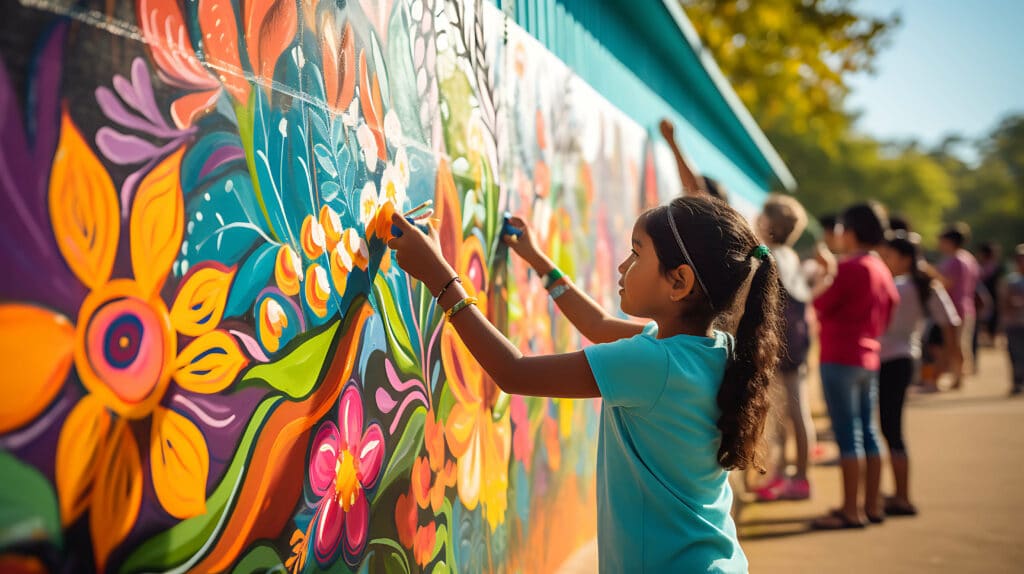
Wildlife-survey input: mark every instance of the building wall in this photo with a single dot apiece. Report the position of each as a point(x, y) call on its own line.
point(209, 360)
point(636, 56)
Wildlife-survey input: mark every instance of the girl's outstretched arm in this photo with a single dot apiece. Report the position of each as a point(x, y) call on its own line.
point(589, 318)
point(688, 176)
point(565, 376)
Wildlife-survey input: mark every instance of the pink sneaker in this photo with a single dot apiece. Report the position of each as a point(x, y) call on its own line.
point(794, 489)
point(770, 490)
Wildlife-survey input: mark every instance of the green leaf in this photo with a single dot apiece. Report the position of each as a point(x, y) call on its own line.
point(261, 558)
point(28, 506)
point(394, 327)
point(440, 540)
point(445, 402)
point(295, 373)
point(176, 545)
point(449, 549)
point(400, 464)
point(395, 560)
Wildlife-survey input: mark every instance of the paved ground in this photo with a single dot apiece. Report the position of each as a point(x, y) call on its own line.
point(967, 456)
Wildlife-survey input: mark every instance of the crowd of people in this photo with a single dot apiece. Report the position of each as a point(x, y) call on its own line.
point(887, 321)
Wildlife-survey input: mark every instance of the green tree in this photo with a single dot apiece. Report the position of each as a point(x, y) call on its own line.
point(991, 194)
point(790, 60)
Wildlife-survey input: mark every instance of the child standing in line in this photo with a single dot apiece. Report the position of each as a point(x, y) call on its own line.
point(683, 401)
point(854, 311)
point(921, 297)
point(1011, 299)
point(780, 224)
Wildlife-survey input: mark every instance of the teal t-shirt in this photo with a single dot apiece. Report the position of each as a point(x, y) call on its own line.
point(662, 498)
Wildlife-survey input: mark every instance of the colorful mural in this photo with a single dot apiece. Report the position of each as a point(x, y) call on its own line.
point(209, 362)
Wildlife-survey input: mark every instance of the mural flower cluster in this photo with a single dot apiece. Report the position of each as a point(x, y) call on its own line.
point(210, 361)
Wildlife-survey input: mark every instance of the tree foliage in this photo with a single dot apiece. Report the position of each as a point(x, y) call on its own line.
point(790, 62)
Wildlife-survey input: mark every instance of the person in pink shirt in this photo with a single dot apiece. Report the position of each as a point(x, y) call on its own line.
point(854, 311)
point(960, 276)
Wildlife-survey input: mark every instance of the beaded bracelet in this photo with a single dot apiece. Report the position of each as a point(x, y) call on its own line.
point(558, 291)
point(552, 277)
point(455, 279)
point(466, 302)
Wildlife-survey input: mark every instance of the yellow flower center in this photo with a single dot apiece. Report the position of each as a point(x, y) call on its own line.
point(347, 484)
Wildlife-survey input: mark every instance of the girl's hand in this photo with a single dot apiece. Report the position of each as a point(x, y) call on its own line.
point(525, 245)
point(668, 131)
point(419, 253)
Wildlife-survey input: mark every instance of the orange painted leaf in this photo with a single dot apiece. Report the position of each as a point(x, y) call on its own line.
point(373, 108)
point(339, 63)
point(117, 494)
point(180, 461)
point(186, 109)
point(449, 212)
point(157, 223)
point(83, 208)
point(80, 448)
point(163, 27)
point(199, 304)
point(210, 363)
point(269, 28)
point(33, 373)
point(220, 43)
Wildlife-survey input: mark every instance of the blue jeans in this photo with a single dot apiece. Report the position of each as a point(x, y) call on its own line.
point(851, 394)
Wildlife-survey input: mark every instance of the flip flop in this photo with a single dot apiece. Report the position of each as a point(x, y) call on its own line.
point(836, 520)
point(893, 508)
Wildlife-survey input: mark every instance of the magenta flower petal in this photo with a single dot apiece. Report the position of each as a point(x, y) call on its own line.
point(371, 456)
point(324, 459)
point(350, 417)
point(330, 521)
point(357, 524)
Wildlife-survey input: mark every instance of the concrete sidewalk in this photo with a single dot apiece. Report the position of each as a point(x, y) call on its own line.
point(967, 457)
point(967, 479)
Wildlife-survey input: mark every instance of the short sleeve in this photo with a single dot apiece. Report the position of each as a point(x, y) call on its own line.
point(630, 372)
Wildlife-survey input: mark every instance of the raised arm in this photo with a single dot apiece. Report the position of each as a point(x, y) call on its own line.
point(564, 376)
point(691, 180)
point(589, 318)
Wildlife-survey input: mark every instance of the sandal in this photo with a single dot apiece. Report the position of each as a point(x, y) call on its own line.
point(836, 520)
point(899, 508)
point(876, 519)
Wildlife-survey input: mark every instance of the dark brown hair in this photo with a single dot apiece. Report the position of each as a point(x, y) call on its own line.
point(719, 242)
point(868, 221)
point(909, 245)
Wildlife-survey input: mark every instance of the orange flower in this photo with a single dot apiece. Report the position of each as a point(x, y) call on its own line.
point(481, 444)
point(423, 544)
point(124, 347)
point(432, 475)
point(297, 561)
point(405, 519)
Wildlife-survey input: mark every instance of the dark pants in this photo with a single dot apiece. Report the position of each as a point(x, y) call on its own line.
point(893, 380)
point(1015, 341)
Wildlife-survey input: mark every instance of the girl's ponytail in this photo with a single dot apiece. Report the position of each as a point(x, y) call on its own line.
point(721, 245)
point(744, 395)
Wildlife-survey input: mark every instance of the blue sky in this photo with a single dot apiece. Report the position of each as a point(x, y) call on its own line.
point(953, 66)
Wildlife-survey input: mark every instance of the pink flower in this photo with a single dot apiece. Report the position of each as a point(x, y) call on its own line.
point(346, 462)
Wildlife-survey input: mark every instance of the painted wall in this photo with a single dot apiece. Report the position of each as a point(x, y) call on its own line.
point(208, 360)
